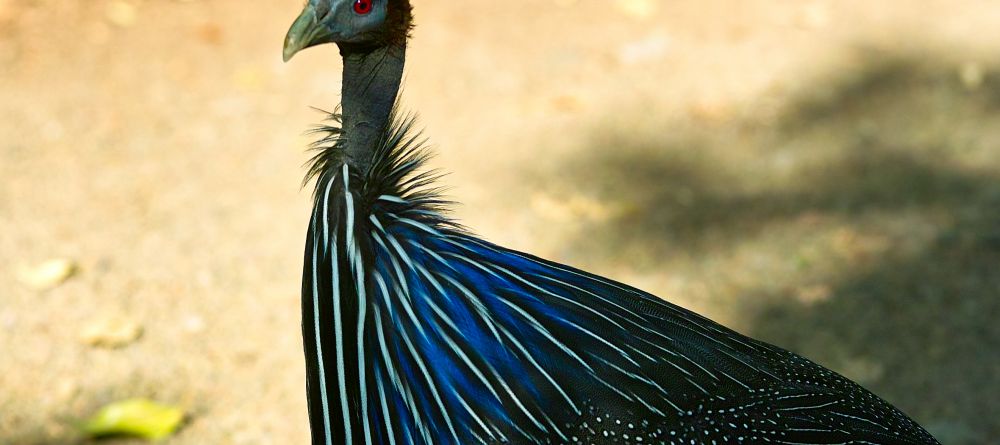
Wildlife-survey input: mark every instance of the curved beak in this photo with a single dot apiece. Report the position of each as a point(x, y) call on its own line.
point(305, 32)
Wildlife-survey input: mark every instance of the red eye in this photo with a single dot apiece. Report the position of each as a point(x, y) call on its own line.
point(363, 7)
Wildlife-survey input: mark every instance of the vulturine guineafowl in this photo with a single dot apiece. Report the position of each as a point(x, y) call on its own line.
point(417, 332)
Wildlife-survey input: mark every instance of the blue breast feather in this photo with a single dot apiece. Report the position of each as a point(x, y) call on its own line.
point(417, 332)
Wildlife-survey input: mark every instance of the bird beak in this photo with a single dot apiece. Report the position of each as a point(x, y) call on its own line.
point(304, 33)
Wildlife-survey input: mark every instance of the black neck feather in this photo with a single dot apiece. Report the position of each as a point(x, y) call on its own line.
point(372, 77)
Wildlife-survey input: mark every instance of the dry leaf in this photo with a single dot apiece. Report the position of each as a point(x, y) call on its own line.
point(111, 332)
point(49, 274)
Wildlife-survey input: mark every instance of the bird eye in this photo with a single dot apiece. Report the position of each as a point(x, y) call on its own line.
point(362, 7)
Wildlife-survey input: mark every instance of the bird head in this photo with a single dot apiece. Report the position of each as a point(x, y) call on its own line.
point(348, 23)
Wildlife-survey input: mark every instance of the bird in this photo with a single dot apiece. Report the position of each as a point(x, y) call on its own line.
point(418, 332)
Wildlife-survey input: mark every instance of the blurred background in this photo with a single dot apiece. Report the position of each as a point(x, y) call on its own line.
point(820, 174)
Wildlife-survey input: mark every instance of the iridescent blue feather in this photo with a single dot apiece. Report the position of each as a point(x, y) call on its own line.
point(417, 332)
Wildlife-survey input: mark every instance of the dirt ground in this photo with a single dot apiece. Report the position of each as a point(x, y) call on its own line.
point(820, 174)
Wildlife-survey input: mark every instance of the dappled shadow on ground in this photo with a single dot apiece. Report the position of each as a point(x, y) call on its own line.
point(918, 329)
point(870, 208)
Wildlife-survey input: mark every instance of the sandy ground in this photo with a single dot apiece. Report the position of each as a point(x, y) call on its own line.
point(824, 175)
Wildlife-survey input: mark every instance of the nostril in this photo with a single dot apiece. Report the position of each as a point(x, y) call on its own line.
point(322, 10)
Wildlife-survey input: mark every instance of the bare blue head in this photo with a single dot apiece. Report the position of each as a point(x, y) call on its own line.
point(362, 24)
point(372, 38)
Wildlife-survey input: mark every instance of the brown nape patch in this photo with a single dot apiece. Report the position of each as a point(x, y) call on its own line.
point(399, 22)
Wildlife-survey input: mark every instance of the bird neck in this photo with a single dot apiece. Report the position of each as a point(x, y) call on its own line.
point(371, 82)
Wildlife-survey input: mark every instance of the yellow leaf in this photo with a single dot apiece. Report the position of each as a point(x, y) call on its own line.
point(135, 418)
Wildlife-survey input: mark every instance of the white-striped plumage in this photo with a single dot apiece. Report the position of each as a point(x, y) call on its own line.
point(405, 276)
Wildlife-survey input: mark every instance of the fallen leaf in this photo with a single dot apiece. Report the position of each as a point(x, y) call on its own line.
point(111, 332)
point(135, 418)
point(49, 274)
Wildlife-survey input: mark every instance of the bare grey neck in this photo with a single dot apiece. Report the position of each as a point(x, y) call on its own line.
point(371, 82)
